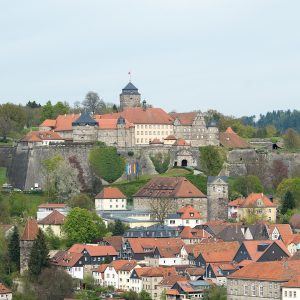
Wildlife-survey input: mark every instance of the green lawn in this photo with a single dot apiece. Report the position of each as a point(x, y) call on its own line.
point(3, 178)
point(129, 188)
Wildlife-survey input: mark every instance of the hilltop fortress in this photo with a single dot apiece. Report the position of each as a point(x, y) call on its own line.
point(135, 125)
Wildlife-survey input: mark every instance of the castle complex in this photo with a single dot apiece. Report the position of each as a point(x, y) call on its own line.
point(135, 125)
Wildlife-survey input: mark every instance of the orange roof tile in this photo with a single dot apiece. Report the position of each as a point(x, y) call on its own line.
point(230, 130)
point(64, 122)
point(4, 289)
point(194, 233)
point(52, 205)
point(68, 259)
point(237, 202)
point(230, 139)
point(156, 141)
point(184, 118)
point(94, 250)
point(189, 212)
point(172, 292)
point(115, 241)
point(110, 193)
point(54, 218)
point(138, 115)
point(251, 200)
point(138, 245)
point(38, 136)
point(30, 231)
point(181, 142)
point(172, 279)
point(294, 282)
point(159, 272)
point(123, 265)
point(282, 270)
point(284, 230)
point(252, 248)
point(169, 187)
point(171, 137)
point(110, 123)
point(195, 271)
point(48, 123)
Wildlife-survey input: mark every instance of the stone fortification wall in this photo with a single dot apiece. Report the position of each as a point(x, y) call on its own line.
point(6, 154)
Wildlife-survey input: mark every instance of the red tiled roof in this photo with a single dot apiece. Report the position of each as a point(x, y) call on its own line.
point(38, 136)
point(94, 250)
point(52, 205)
point(4, 289)
point(194, 233)
point(230, 139)
point(181, 142)
point(64, 122)
point(251, 201)
point(184, 118)
point(123, 265)
point(172, 292)
point(67, 259)
point(189, 212)
point(110, 123)
point(110, 193)
point(138, 115)
point(169, 187)
point(54, 218)
point(169, 251)
point(195, 271)
point(282, 270)
point(172, 279)
point(171, 137)
point(138, 245)
point(30, 231)
point(48, 123)
point(284, 230)
point(159, 272)
point(115, 241)
point(156, 141)
point(294, 282)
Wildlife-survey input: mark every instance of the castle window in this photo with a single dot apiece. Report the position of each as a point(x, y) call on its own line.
point(142, 140)
point(142, 132)
point(137, 133)
point(137, 140)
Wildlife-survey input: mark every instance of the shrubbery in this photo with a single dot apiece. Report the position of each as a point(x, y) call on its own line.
point(161, 162)
point(212, 159)
point(106, 163)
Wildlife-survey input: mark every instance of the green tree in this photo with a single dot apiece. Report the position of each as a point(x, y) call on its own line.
point(292, 185)
point(291, 139)
point(47, 111)
point(106, 163)
point(161, 162)
point(119, 228)
point(216, 292)
point(83, 226)
point(14, 250)
point(60, 109)
point(12, 119)
point(53, 241)
point(288, 202)
point(81, 200)
point(39, 258)
point(244, 185)
point(211, 160)
point(143, 295)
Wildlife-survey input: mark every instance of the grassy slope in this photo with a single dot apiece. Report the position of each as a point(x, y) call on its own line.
point(3, 178)
point(129, 188)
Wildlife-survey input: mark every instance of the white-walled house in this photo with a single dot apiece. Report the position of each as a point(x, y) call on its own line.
point(185, 216)
point(110, 198)
point(47, 208)
point(291, 289)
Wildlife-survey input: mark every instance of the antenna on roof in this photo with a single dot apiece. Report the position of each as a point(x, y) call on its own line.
point(129, 73)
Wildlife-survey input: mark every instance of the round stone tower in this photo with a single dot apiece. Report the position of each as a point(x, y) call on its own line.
point(130, 97)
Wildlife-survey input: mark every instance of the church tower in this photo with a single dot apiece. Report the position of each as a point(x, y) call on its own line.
point(130, 97)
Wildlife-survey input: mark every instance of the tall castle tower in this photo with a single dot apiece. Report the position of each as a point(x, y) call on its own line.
point(130, 97)
point(217, 197)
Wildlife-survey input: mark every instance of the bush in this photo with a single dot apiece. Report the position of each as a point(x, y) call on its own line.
point(212, 159)
point(161, 162)
point(106, 163)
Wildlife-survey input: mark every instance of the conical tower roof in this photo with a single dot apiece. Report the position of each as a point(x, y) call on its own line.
point(84, 119)
point(130, 89)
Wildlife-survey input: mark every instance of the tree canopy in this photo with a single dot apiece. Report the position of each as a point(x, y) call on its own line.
point(291, 185)
point(161, 162)
point(106, 163)
point(211, 159)
point(83, 226)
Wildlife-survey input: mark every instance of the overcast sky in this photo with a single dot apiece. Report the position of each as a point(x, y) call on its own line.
point(240, 57)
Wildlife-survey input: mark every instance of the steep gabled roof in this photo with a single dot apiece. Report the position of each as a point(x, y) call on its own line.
point(49, 123)
point(171, 280)
point(67, 259)
point(123, 265)
point(30, 231)
point(115, 241)
point(194, 233)
point(232, 140)
point(169, 187)
point(188, 212)
point(64, 122)
point(184, 118)
point(110, 193)
point(54, 218)
point(252, 201)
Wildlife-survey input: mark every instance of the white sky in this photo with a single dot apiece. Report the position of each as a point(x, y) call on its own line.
point(240, 57)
